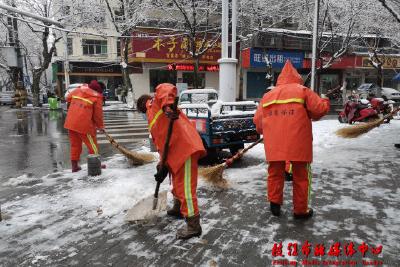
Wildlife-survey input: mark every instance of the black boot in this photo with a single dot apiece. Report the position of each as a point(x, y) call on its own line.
point(192, 229)
point(304, 216)
point(397, 145)
point(275, 209)
point(175, 211)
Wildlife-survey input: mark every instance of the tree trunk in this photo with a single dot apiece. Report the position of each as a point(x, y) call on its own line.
point(379, 80)
point(127, 85)
point(196, 73)
point(35, 87)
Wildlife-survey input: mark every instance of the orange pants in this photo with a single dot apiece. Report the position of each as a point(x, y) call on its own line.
point(184, 186)
point(302, 178)
point(76, 140)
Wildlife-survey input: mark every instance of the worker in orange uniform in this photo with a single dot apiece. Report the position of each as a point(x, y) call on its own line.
point(185, 149)
point(84, 117)
point(284, 118)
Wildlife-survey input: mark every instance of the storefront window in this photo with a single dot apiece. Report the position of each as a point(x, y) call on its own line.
point(161, 76)
point(328, 81)
point(188, 77)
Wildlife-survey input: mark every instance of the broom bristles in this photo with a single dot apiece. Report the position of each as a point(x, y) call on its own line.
point(358, 130)
point(134, 157)
point(214, 175)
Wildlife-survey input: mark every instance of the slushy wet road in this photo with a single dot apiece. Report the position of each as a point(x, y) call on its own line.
point(34, 142)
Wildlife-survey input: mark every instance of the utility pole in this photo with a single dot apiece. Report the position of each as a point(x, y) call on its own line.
point(51, 22)
point(227, 69)
point(13, 41)
point(314, 46)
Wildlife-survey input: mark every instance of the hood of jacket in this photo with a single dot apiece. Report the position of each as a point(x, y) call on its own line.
point(289, 75)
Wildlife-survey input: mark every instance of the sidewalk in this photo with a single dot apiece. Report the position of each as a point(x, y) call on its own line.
point(66, 219)
point(109, 106)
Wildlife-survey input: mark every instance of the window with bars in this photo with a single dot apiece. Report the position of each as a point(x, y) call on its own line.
point(70, 48)
point(94, 47)
point(118, 47)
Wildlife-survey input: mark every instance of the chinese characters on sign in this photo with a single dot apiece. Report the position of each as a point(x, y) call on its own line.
point(336, 250)
point(387, 62)
point(160, 46)
point(276, 58)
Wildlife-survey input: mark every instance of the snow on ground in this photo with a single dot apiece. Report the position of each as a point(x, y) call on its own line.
point(66, 208)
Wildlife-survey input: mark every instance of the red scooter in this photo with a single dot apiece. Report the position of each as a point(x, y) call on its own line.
point(357, 111)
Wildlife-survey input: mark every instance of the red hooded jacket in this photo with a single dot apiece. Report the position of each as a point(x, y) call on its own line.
point(85, 112)
point(284, 118)
point(185, 140)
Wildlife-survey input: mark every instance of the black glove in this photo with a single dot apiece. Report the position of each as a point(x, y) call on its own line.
point(171, 114)
point(162, 173)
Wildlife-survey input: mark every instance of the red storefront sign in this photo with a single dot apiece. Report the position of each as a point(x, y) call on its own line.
point(153, 45)
point(190, 67)
point(344, 62)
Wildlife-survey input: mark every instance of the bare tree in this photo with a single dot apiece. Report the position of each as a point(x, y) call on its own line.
point(197, 20)
point(126, 16)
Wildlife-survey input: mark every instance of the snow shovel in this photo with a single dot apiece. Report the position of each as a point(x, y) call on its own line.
point(148, 208)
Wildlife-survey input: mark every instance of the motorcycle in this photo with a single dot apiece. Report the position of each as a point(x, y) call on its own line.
point(357, 110)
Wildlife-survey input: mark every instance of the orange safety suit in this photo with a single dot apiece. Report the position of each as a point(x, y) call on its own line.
point(185, 147)
point(85, 114)
point(284, 118)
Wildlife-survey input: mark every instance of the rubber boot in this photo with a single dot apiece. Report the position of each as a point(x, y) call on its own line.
point(75, 166)
point(192, 229)
point(304, 216)
point(175, 211)
point(275, 209)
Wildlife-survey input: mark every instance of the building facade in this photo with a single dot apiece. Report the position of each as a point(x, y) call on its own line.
point(278, 45)
point(163, 56)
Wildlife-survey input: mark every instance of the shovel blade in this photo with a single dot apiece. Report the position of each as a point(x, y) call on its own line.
point(143, 210)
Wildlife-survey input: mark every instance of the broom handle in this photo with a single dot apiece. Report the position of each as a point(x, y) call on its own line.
point(392, 113)
point(166, 149)
point(240, 153)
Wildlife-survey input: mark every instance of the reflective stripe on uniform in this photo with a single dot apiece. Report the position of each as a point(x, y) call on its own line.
point(284, 101)
point(94, 147)
point(290, 168)
point(155, 119)
point(83, 99)
point(309, 174)
point(188, 186)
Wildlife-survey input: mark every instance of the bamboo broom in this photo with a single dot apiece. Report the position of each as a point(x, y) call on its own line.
point(360, 129)
point(134, 157)
point(214, 174)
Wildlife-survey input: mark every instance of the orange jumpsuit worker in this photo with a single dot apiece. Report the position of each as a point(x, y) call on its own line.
point(185, 149)
point(284, 118)
point(85, 115)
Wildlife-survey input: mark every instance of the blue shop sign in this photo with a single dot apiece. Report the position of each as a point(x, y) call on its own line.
point(277, 58)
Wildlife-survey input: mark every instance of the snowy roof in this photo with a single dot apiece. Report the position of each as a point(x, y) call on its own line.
point(194, 105)
point(200, 91)
point(237, 103)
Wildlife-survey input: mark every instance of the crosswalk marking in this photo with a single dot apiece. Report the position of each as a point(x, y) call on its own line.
point(124, 129)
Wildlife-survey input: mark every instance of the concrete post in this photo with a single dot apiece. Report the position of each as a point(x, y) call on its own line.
point(227, 66)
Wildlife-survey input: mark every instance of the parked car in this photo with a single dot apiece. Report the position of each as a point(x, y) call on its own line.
point(367, 88)
point(370, 88)
point(390, 94)
point(220, 124)
point(7, 98)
